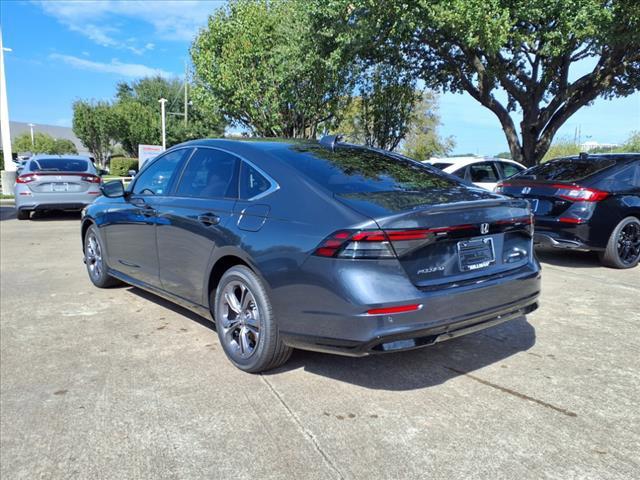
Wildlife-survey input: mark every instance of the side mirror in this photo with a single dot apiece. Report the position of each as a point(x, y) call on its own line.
point(102, 172)
point(112, 189)
point(132, 173)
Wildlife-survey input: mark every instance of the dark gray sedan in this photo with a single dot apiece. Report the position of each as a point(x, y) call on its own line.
point(322, 246)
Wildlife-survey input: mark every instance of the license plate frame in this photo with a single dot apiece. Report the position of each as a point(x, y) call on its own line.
point(59, 187)
point(535, 203)
point(476, 254)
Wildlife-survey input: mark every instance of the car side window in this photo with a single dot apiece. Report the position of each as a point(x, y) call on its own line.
point(461, 172)
point(156, 178)
point(210, 173)
point(484, 172)
point(509, 169)
point(621, 180)
point(252, 182)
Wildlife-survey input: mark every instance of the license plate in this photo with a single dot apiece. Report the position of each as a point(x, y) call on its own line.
point(60, 187)
point(476, 254)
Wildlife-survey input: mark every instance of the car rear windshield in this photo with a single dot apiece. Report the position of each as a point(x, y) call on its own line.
point(567, 169)
point(441, 165)
point(59, 165)
point(358, 170)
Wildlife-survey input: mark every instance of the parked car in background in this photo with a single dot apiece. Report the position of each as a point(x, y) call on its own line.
point(322, 246)
point(53, 182)
point(484, 172)
point(588, 202)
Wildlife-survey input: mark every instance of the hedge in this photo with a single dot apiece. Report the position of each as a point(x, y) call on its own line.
point(120, 166)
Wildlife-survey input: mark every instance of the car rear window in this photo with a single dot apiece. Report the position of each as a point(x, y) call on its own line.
point(441, 165)
point(568, 169)
point(58, 165)
point(357, 170)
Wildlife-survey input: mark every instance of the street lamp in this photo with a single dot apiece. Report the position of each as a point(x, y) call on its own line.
point(8, 175)
point(162, 120)
point(33, 142)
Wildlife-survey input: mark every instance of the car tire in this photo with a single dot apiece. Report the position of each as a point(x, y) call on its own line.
point(23, 214)
point(246, 326)
point(94, 260)
point(623, 247)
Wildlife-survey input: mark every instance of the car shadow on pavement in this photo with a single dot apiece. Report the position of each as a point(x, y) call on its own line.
point(424, 367)
point(409, 370)
point(54, 216)
point(185, 312)
point(7, 212)
point(569, 259)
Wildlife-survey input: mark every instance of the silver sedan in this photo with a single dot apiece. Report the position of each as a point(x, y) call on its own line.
point(51, 182)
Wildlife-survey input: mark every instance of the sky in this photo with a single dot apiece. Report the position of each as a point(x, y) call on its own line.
point(65, 50)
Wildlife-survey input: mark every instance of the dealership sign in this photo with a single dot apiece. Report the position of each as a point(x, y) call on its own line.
point(147, 152)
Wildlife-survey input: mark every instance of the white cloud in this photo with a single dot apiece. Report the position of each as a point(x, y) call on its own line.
point(131, 70)
point(100, 21)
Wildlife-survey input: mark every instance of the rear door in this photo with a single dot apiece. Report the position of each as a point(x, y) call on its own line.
point(195, 220)
point(130, 228)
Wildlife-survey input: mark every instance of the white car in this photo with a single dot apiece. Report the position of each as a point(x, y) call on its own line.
point(484, 172)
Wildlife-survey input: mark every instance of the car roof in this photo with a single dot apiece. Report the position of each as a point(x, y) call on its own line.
point(462, 161)
point(616, 157)
point(70, 157)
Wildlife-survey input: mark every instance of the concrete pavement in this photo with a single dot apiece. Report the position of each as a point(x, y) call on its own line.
point(120, 384)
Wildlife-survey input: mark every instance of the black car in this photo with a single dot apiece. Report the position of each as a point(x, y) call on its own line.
point(322, 246)
point(587, 202)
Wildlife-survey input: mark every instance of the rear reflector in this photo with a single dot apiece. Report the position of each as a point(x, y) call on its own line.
point(391, 310)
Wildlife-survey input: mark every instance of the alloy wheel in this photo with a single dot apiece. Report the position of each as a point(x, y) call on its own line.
point(240, 320)
point(93, 256)
point(629, 243)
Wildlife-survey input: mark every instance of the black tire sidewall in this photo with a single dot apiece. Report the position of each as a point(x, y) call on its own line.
point(268, 328)
point(611, 256)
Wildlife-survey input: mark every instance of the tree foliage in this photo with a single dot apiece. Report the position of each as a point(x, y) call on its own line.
point(259, 62)
point(95, 124)
point(422, 140)
point(509, 55)
point(379, 115)
point(43, 143)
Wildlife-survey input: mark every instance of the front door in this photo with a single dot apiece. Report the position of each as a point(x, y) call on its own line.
point(130, 228)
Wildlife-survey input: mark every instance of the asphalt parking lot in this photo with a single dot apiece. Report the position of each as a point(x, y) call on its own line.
point(120, 384)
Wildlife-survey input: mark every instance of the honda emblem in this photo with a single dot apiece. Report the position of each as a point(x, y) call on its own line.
point(526, 190)
point(484, 228)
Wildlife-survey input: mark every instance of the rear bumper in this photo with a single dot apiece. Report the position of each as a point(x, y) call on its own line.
point(556, 240)
point(445, 314)
point(52, 201)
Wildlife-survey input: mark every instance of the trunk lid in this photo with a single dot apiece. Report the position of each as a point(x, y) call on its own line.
point(62, 182)
point(476, 235)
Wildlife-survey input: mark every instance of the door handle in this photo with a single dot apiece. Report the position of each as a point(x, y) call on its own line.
point(209, 219)
point(148, 211)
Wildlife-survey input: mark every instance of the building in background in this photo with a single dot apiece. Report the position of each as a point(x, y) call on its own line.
point(18, 128)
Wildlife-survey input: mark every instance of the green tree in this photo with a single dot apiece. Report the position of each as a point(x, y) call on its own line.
point(506, 155)
point(632, 144)
point(138, 114)
point(520, 50)
point(43, 143)
point(259, 62)
point(422, 140)
point(95, 124)
point(380, 115)
point(562, 147)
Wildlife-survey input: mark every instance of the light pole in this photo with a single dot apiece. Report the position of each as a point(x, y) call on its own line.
point(33, 142)
point(9, 172)
point(162, 119)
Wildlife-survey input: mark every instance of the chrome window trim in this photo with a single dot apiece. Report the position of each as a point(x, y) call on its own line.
point(274, 185)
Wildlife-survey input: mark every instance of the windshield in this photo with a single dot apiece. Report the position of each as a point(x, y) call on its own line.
point(567, 169)
point(357, 170)
point(58, 165)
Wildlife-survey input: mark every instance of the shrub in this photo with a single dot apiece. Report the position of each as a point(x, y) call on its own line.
point(120, 166)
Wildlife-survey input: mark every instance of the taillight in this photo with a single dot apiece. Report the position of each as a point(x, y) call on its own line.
point(90, 178)
point(580, 194)
point(26, 178)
